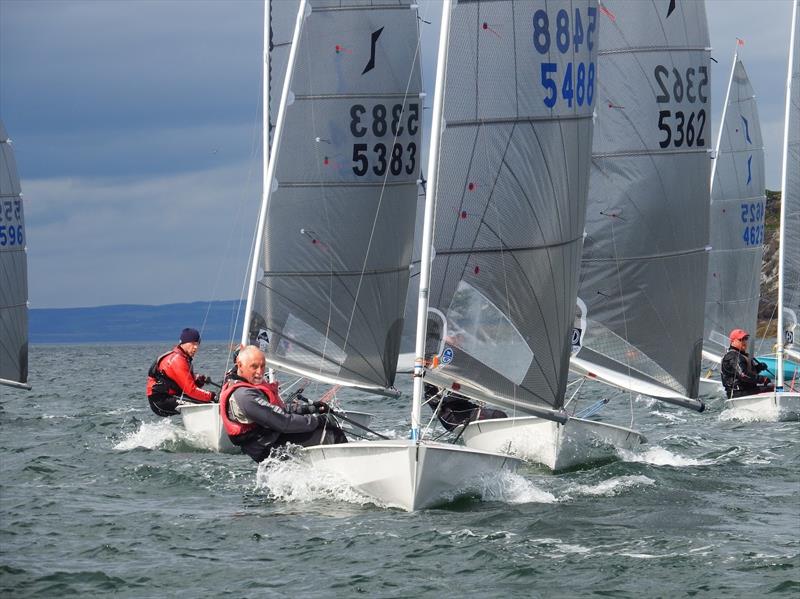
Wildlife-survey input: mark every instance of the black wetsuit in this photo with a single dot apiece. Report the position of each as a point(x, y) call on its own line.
point(740, 376)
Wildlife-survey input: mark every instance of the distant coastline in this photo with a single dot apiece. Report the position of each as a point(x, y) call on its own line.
point(217, 321)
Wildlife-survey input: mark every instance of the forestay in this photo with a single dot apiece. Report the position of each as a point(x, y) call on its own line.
point(340, 216)
point(639, 321)
point(521, 85)
point(13, 272)
point(737, 219)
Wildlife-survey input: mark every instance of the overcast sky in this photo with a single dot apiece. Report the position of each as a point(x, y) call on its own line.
point(136, 126)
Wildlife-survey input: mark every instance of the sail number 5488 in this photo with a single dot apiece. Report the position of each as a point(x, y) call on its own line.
point(576, 82)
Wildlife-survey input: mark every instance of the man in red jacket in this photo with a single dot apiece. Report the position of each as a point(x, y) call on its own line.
point(171, 378)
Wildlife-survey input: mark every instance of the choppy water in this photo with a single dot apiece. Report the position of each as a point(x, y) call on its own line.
point(100, 497)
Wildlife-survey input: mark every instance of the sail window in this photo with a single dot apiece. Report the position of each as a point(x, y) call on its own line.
point(299, 335)
point(478, 327)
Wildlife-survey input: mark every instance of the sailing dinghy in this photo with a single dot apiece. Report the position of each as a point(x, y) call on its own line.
point(203, 421)
point(784, 402)
point(738, 209)
point(642, 260)
point(510, 203)
point(13, 273)
point(336, 231)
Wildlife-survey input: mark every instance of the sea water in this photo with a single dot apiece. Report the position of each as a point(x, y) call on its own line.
point(99, 497)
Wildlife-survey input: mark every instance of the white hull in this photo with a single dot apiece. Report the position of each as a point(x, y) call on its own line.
point(711, 387)
point(769, 406)
point(557, 446)
point(204, 423)
point(401, 473)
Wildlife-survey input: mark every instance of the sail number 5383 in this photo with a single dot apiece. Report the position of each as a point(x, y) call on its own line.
point(395, 157)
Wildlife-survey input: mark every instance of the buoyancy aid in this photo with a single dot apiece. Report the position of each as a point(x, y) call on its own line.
point(234, 428)
point(158, 383)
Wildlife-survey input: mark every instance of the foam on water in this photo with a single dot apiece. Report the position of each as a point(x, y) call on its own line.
point(770, 414)
point(152, 435)
point(612, 486)
point(284, 477)
point(658, 456)
point(510, 487)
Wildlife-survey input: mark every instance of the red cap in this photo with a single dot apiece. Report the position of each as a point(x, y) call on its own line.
point(738, 334)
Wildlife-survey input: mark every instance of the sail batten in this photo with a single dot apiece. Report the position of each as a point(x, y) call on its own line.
point(645, 252)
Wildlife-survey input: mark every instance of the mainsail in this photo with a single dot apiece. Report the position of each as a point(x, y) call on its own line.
point(640, 307)
point(13, 273)
point(737, 219)
point(521, 85)
point(790, 202)
point(339, 224)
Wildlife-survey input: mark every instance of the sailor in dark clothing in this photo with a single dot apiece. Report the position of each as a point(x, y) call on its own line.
point(171, 379)
point(740, 372)
point(257, 420)
point(453, 409)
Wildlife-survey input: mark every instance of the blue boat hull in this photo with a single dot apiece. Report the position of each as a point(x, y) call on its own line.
point(791, 370)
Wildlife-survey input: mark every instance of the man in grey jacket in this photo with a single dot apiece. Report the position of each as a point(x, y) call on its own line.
point(257, 420)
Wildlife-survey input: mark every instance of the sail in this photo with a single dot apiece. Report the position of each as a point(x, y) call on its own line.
point(791, 206)
point(340, 217)
point(13, 272)
point(737, 220)
point(640, 308)
point(521, 85)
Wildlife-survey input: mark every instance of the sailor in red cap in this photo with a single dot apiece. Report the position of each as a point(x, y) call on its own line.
point(739, 372)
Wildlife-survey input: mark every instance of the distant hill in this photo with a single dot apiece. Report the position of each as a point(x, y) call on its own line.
point(133, 323)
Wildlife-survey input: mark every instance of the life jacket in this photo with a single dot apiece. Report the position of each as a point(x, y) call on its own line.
point(158, 383)
point(234, 428)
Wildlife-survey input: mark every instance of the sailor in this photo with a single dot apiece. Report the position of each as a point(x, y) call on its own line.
point(171, 378)
point(257, 420)
point(740, 372)
point(453, 409)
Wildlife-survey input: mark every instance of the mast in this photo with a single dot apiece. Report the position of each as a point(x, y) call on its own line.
point(269, 163)
point(430, 215)
point(784, 186)
point(722, 120)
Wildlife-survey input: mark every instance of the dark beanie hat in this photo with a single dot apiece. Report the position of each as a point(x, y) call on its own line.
point(190, 336)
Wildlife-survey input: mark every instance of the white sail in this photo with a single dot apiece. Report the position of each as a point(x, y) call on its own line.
point(737, 219)
point(13, 272)
point(784, 402)
point(645, 258)
point(511, 199)
point(789, 266)
point(338, 228)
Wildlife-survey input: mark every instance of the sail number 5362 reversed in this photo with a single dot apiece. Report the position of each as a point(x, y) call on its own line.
point(576, 83)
